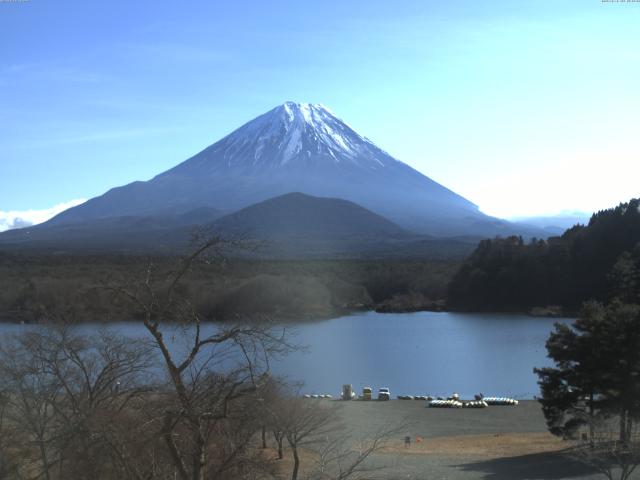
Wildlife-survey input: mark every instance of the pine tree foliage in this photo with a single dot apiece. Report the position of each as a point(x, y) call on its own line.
point(511, 274)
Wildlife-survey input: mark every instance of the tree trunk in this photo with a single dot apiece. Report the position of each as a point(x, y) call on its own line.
point(44, 459)
point(623, 426)
point(200, 459)
point(626, 472)
point(296, 464)
point(264, 437)
point(167, 433)
point(591, 425)
point(279, 438)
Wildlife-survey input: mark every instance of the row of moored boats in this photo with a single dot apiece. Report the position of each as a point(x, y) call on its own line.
point(451, 402)
point(482, 402)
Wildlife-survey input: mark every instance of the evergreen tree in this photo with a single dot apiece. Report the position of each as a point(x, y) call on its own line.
point(624, 278)
point(597, 370)
point(508, 274)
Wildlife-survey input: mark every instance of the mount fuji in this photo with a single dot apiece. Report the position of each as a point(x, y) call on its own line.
point(295, 147)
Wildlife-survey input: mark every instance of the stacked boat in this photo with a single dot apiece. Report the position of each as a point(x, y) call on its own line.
point(480, 402)
point(475, 404)
point(449, 403)
point(500, 401)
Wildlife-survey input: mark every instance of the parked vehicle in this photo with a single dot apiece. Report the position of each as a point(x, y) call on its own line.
point(367, 393)
point(384, 394)
point(347, 392)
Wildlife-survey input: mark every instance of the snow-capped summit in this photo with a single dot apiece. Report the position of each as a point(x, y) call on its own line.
point(314, 126)
point(295, 147)
point(298, 135)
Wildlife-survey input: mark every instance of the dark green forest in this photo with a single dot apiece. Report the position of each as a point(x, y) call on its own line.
point(33, 286)
point(588, 262)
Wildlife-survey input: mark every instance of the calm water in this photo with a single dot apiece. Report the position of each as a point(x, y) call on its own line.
point(424, 353)
point(412, 353)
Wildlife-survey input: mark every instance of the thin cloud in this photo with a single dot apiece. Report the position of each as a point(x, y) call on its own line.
point(26, 218)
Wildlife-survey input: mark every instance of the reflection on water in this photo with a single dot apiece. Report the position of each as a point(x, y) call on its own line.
point(411, 353)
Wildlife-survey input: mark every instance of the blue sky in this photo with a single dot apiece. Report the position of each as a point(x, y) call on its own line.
point(523, 107)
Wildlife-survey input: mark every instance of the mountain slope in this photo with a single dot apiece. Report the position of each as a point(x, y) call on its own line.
point(295, 148)
point(296, 215)
point(297, 225)
point(122, 233)
point(292, 226)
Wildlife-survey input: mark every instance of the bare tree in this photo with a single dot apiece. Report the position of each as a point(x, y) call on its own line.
point(65, 391)
point(345, 458)
point(603, 450)
point(90, 407)
point(211, 378)
point(31, 397)
point(268, 394)
point(7, 464)
point(315, 427)
point(305, 422)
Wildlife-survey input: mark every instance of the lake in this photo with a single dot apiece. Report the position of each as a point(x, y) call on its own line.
point(424, 353)
point(420, 353)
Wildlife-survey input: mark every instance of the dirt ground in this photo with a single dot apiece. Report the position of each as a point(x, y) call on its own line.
point(495, 443)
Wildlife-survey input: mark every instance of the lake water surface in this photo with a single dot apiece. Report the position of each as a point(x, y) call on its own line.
point(424, 353)
point(411, 353)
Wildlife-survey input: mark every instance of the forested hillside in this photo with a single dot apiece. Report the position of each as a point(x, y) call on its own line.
point(33, 286)
point(509, 274)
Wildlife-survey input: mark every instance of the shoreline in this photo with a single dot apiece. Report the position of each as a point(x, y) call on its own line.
point(291, 320)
